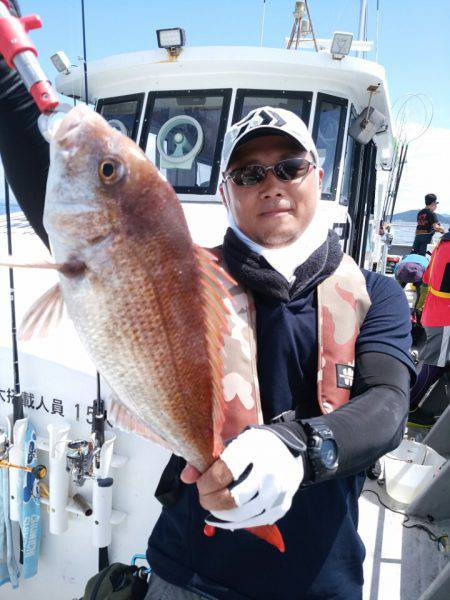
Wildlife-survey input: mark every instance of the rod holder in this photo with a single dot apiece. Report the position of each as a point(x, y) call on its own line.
point(58, 477)
point(102, 494)
point(102, 509)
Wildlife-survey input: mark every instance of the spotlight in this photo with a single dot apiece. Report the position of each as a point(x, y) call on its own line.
point(341, 44)
point(61, 62)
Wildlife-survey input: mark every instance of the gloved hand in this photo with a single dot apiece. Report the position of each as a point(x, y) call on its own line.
point(266, 477)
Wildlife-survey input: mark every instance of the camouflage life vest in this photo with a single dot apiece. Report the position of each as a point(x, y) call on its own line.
point(343, 302)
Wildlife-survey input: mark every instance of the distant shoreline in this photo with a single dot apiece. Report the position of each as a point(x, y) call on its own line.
point(410, 216)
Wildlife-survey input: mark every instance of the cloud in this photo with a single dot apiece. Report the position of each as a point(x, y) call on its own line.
point(426, 171)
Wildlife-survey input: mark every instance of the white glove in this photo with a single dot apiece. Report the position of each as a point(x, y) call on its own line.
point(267, 476)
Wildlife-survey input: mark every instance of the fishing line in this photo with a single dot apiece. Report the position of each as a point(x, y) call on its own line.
point(72, 45)
point(403, 139)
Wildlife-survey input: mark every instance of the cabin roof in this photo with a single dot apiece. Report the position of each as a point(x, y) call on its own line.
point(231, 66)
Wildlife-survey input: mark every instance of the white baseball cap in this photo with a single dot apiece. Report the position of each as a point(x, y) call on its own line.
point(266, 121)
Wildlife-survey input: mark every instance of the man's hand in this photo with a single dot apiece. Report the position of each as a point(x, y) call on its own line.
point(251, 484)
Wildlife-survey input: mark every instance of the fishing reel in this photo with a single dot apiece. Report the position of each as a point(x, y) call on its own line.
point(79, 460)
point(83, 455)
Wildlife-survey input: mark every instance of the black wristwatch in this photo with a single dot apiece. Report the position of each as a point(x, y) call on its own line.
point(321, 450)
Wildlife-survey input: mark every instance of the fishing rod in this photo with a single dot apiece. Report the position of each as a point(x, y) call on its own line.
point(402, 162)
point(17, 398)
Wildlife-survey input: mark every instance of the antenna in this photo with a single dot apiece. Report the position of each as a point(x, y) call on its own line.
point(378, 30)
point(262, 22)
point(362, 24)
point(302, 29)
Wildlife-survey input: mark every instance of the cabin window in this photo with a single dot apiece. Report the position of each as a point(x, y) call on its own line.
point(247, 100)
point(122, 113)
point(328, 132)
point(349, 164)
point(183, 135)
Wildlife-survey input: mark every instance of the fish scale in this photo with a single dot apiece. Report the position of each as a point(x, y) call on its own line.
point(147, 378)
point(153, 321)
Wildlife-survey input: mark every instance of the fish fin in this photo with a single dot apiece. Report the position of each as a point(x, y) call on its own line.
point(122, 418)
point(214, 294)
point(70, 268)
point(43, 315)
point(269, 533)
point(13, 262)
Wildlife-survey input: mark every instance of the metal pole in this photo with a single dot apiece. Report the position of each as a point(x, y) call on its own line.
point(84, 54)
point(262, 23)
point(378, 30)
point(362, 25)
point(17, 400)
point(311, 27)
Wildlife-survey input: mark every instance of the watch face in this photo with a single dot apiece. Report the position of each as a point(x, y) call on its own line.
point(328, 453)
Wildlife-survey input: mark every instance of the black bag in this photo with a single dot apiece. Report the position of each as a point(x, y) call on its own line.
point(116, 582)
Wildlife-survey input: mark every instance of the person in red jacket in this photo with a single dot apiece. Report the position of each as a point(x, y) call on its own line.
point(436, 322)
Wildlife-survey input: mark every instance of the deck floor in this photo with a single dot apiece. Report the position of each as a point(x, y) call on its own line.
point(400, 563)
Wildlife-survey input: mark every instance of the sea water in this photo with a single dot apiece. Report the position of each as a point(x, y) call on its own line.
point(404, 232)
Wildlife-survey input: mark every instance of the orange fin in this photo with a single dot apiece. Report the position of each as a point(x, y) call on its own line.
point(214, 293)
point(122, 418)
point(269, 533)
point(43, 315)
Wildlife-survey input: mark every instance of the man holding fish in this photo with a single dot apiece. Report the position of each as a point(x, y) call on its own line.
point(277, 432)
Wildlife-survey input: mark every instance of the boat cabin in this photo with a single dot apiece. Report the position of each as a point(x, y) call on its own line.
point(177, 108)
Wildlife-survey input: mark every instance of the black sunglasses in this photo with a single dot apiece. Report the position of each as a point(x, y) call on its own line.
point(285, 170)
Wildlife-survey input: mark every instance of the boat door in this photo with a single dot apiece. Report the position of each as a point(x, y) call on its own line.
point(363, 207)
point(358, 194)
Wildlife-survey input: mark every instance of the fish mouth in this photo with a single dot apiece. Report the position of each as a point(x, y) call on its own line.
point(68, 133)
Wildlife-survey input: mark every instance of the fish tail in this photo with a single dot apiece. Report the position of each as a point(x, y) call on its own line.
point(269, 533)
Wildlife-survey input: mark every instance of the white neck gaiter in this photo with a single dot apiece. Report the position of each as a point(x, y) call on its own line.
point(286, 260)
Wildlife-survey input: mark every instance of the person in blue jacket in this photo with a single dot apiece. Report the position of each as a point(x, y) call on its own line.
point(279, 247)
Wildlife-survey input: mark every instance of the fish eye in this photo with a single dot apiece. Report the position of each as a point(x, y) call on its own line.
point(110, 170)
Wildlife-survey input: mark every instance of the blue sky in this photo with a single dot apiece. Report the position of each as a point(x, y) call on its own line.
point(414, 42)
point(414, 47)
